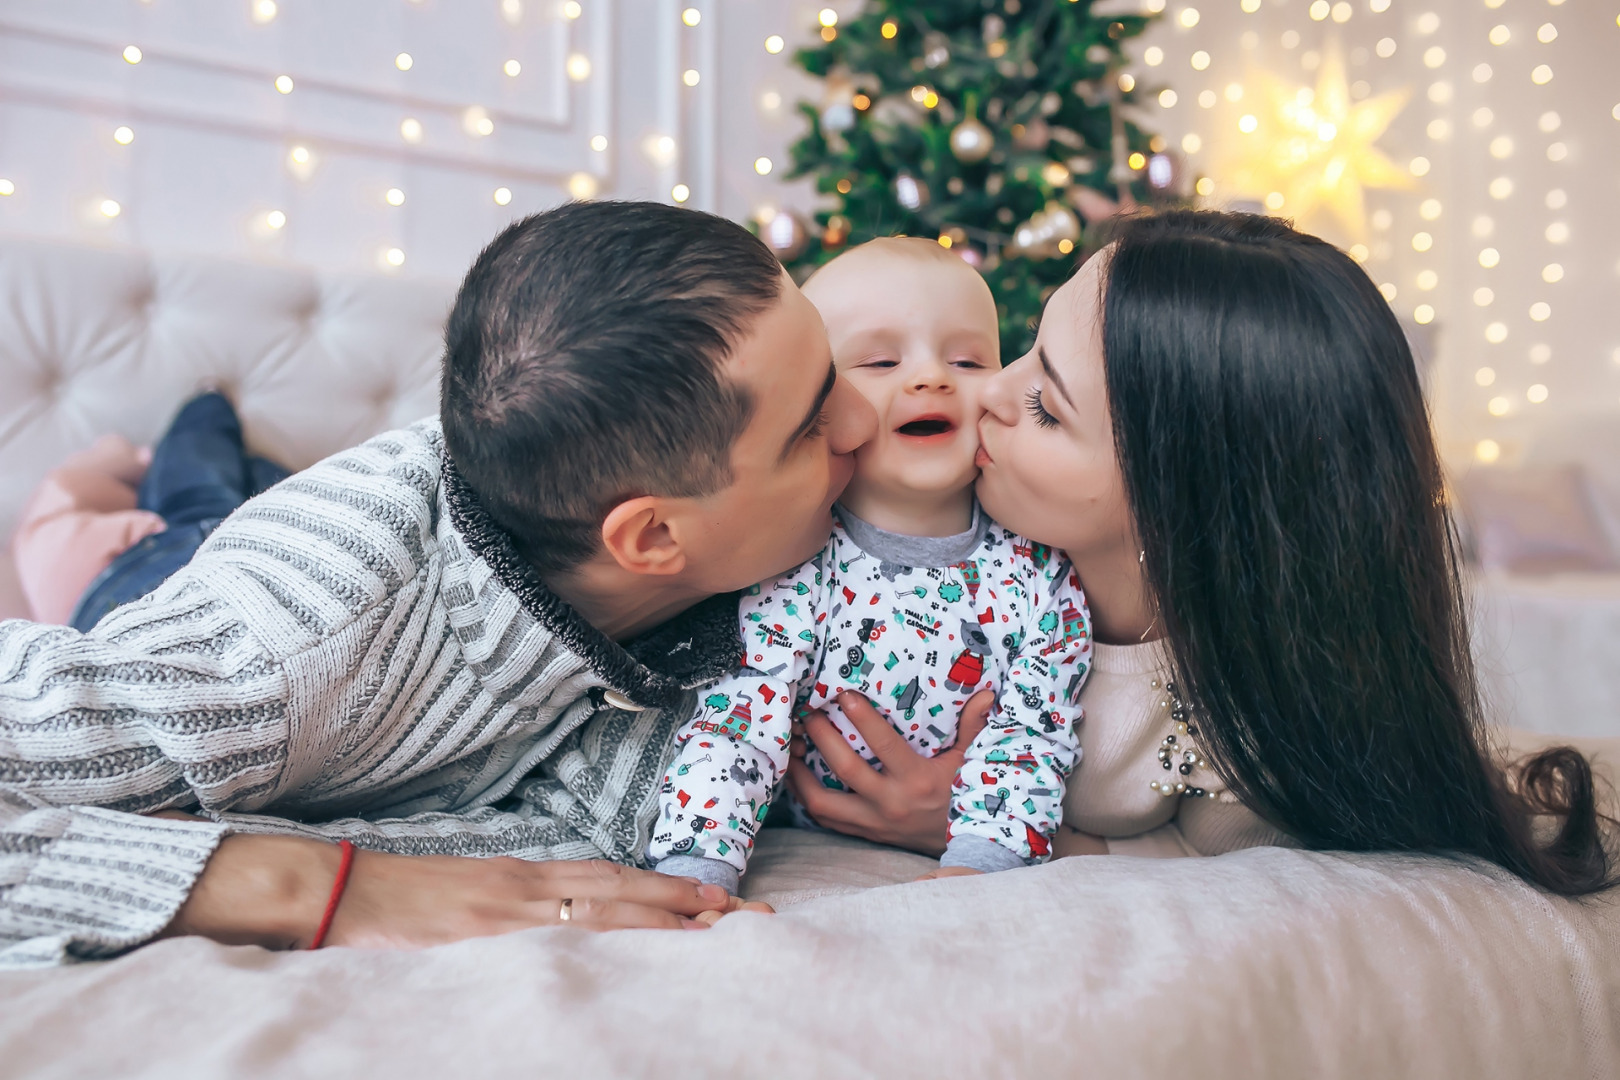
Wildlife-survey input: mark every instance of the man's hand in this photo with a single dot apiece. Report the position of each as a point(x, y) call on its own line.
point(272, 891)
point(905, 804)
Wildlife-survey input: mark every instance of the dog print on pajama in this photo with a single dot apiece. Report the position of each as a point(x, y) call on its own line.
point(918, 642)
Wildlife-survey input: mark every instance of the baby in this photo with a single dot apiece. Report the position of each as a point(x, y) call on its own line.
point(917, 601)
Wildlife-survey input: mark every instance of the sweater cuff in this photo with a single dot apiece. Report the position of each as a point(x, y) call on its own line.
point(978, 853)
point(102, 883)
point(708, 871)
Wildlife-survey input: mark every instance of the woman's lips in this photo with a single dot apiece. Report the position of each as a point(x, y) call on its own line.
point(981, 456)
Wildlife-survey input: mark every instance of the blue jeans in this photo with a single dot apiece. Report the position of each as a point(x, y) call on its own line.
point(199, 474)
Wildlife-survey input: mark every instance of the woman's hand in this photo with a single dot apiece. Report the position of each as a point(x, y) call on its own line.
point(272, 891)
point(905, 804)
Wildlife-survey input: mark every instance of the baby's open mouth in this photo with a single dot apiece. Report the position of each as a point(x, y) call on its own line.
point(926, 426)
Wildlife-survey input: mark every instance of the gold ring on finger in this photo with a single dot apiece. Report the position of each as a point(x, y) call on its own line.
point(566, 912)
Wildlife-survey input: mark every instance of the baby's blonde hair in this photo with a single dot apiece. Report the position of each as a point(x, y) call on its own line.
point(914, 248)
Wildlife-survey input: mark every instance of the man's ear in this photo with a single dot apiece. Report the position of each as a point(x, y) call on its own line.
point(638, 535)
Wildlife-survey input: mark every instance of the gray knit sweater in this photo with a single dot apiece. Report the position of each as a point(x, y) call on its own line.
point(356, 653)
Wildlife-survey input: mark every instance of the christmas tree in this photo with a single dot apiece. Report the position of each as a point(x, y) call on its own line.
point(994, 125)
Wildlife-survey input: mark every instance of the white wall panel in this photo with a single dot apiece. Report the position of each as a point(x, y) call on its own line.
point(212, 139)
point(213, 134)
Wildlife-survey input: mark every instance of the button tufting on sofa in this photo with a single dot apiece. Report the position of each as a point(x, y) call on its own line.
point(142, 300)
point(100, 340)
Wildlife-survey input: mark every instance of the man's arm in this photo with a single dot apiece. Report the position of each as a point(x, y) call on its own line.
point(178, 705)
point(272, 891)
point(187, 699)
point(85, 883)
point(170, 704)
point(178, 701)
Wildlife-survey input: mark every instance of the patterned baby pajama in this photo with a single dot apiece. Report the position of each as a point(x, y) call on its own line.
point(917, 625)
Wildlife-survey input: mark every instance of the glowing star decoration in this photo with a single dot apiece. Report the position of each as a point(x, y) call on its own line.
point(1315, 147)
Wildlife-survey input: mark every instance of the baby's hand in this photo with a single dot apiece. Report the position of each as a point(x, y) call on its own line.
point(949, 871)
point(709, 918)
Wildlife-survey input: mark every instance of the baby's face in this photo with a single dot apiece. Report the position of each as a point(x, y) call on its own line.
point(918, 338)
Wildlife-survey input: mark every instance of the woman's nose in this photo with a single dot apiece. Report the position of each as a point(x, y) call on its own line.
point(1000, 394)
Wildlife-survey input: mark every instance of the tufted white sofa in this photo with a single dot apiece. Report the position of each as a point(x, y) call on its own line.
point(97, 340)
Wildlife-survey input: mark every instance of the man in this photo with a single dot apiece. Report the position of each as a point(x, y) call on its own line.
point(472, 637)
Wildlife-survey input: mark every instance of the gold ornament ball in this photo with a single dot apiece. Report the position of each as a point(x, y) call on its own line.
point(1046, 232)
point(1029, 239)
point(971, 141)
point(1061, 222)
point(785, 233)
point(1025, 243)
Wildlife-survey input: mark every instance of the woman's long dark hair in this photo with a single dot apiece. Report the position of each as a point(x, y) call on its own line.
point(1279, 463)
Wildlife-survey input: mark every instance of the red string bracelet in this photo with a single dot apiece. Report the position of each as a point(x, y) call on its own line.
point(346, 860)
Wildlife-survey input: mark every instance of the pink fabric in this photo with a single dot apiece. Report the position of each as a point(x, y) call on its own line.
point(1535, 520)
point(78, 520)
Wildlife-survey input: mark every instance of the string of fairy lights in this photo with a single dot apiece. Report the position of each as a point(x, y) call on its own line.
point(1253, 136)
point(1284, 144)
point(302, 159)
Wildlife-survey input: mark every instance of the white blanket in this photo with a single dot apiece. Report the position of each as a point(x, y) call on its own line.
point(1262, 963)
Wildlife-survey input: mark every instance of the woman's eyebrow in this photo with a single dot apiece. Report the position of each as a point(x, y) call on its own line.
point(1046, 366)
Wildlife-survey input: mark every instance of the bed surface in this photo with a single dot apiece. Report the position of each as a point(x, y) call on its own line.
point(1262, 963)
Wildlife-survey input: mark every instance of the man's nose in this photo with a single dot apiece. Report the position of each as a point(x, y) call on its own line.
point(854, 421)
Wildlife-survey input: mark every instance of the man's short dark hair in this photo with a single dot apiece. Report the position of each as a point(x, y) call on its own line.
point(584, 366)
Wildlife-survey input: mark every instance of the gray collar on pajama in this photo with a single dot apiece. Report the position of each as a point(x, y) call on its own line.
point(914, 550)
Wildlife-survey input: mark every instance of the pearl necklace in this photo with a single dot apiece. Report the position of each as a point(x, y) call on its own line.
point(1178, 755)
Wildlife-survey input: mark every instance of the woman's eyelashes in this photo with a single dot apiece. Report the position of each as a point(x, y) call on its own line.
point(1034, 406)
point(818, 426)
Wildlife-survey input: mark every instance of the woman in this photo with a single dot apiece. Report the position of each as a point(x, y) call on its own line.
point(1221, 424)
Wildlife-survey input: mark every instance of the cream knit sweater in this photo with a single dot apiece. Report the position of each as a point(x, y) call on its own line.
point(1118, 790)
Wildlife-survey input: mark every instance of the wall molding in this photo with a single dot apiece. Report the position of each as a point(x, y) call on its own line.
point(558, 119)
